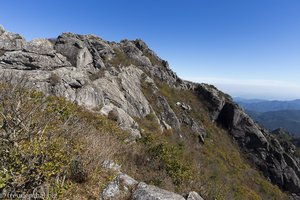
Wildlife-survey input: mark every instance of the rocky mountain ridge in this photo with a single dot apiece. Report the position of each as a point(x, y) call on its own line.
point(108, 77)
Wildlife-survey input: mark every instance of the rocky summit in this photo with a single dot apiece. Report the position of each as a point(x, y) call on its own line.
point(127, 82)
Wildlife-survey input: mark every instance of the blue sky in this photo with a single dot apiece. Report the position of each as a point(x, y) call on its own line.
point(248, 48)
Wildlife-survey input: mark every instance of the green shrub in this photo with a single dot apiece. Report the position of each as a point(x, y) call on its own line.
point(173, 159)
point(149, 123)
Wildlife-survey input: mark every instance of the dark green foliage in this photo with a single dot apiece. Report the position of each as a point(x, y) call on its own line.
point(174, 162)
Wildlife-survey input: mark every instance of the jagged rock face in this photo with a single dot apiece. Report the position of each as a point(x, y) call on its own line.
point(285, 140)
point(276, 162)
point(81, 68)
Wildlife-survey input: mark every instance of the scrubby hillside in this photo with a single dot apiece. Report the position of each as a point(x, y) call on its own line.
point(131, 120)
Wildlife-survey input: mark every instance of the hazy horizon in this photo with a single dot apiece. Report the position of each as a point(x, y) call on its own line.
point(253, 89)
point(246, 48)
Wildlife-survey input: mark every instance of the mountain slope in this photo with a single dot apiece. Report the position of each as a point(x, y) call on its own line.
point(181, 136)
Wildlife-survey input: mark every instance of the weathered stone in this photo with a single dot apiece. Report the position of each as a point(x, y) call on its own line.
point(194, 196)
point(148, 192)
point(40, 46)
point(109, 164)
point(184, 106)
point(101, 49)
point(32, 61)
point(74, 49)
point(166, 126)
point(167, 114)
point(120, 186)
point(112, 190)
point(127, 180)
point(11, 41)
point(215, 100)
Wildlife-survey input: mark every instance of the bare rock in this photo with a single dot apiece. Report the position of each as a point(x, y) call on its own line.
point(40, 46)
point(74, 49)
point(32, 61)
point(212, 95)
point(11, 41)
point(111, 165)
point(167, 114)
point(125, 121)
point(194, 196)
point(120, 187)
point(148, 192)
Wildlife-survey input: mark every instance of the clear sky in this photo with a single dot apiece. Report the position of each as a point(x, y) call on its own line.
point(248, 48)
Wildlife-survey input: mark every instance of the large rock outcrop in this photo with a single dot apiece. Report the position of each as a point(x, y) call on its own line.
point(100, 75)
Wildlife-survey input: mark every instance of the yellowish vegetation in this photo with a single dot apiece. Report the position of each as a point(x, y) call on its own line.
point(50, 142)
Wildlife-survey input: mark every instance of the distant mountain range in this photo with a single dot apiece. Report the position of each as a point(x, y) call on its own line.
point(274, 114)
point(259, 105)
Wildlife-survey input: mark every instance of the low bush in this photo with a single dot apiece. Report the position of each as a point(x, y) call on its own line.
point(50, 144)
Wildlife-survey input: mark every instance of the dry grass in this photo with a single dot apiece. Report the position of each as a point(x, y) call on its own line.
point(98, 148)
